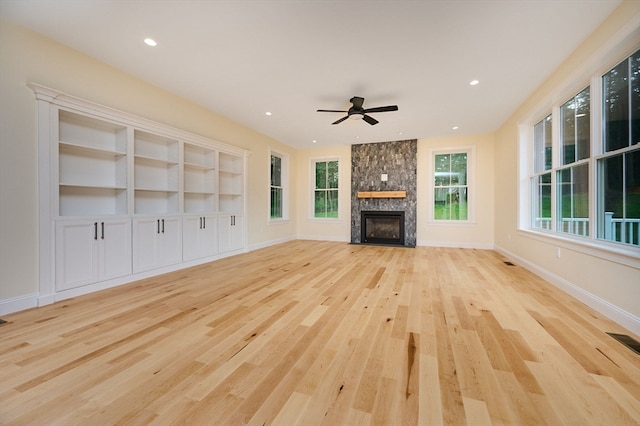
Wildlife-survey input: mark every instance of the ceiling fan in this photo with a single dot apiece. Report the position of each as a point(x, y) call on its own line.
point(358, 112)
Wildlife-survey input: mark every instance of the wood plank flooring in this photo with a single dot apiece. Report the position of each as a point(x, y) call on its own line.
point(321, 333)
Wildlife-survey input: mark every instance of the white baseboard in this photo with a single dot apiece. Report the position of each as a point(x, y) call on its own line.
point(624, 318)
point(324, 238)
point(427, 243)
point(9, 306)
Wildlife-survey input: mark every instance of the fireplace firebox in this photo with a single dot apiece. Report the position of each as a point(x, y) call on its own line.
point(382, 227)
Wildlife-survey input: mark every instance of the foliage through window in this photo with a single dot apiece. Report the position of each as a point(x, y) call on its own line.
point(619, 166)
point(325, 195)
point(562, 198)
point(450, 187)
point(277, 190)
point(541, 181)
point(573, 174)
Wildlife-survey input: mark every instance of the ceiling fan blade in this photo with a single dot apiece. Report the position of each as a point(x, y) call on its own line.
point(369, 120)
point(357, 101)
point(382, 109)
point(330, 110)
point(341, 120)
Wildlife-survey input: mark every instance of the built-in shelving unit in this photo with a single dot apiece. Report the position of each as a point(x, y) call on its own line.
point(92, 172)
point(199, 179)
point(231, 182)
point(122, 197)
point(156, 174)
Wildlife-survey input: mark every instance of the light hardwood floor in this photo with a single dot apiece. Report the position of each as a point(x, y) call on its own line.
point(321, 333)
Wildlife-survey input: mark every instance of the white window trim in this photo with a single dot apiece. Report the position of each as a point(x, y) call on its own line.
point(285, 187)
point(312, 188)
point(470, 150)
point(589, 73)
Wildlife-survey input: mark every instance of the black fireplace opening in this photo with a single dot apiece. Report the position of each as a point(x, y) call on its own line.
point(382, 227)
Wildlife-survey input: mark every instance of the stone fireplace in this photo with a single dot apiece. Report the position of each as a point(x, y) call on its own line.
point(383, 179)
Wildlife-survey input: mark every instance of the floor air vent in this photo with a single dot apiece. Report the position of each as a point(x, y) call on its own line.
point(628, 341)
point(506, 262)
point(2, 321)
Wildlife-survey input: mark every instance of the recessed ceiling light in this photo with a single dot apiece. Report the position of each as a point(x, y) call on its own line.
point(401, 133)
point(314, 141)
point(150, 42)
point(474, 82)
point(267, 113)
point(455, 127)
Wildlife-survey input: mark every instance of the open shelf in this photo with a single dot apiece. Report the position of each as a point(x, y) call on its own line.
point(199, 202)
point(89, 132)
point(151, 146)
point(155, 202)
point(198, 157)
point(92, 166)
point(91, 201)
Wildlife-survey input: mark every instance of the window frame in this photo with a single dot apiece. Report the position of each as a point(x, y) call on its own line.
point(284, 185)
point(469, 150)
point(312, 187)
point(589, 73)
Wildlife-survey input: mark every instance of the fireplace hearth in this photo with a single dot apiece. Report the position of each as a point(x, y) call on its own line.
point(383, 227)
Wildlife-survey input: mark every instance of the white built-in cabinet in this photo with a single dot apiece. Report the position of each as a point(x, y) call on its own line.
point(157, 241)
point(122, 197)
point(199, 236)
point(91, 250)
point(230, 229)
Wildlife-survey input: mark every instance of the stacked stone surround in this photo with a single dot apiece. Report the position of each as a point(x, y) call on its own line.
point(398, 160)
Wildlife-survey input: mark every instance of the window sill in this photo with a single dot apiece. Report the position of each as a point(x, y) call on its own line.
point(325, 219)
point(618, 253)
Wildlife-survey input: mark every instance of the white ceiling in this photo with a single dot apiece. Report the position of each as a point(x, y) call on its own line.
point(243, 58)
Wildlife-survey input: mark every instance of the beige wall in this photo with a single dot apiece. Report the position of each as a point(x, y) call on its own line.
point(615, 285)
point(27, 57)
point(328, 229)
point(478, 232)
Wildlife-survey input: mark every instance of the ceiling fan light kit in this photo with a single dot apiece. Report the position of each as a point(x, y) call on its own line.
point(357, 112)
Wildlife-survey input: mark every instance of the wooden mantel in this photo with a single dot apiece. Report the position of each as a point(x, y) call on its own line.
point(382, 194)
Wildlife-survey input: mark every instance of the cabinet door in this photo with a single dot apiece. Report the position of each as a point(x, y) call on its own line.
point(170, 240)
point(114, 248)
point(230, 232)
point(76, 260)
point(224, 233)
point(191, 227)
point(209, 236)
point(145, 244)
point(237, 228)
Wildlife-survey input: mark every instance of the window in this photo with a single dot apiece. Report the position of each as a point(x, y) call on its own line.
point(541, 180)
point(325, 192)
point(451, 186)
point(619, 165)
point(278, 189)
point(585, 178)
point(572, 175)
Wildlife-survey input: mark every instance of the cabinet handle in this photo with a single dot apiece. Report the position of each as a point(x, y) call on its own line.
point(201, 223)
point(163, 226)
point(158, 222)
point(102, 226)
point(204, 222)
point(95, 230)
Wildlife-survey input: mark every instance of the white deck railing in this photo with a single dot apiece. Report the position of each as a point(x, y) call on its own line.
point(615, 229)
